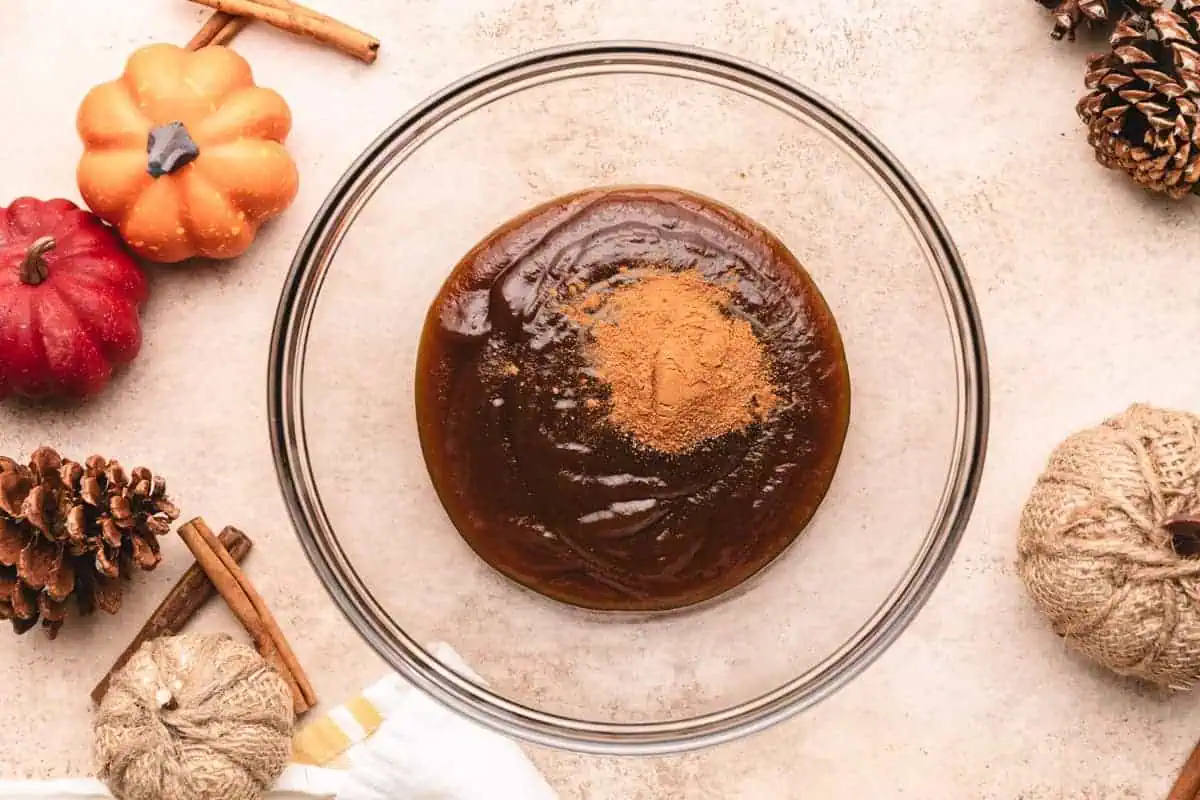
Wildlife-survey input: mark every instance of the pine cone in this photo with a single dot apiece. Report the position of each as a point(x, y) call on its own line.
point(1141, 107)
point(70, 530)
point(1070, 14)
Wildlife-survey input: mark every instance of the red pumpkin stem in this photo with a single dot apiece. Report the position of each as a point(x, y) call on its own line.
point(34, 269)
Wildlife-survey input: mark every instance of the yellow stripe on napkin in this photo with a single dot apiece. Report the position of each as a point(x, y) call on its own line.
point(323, 742)
point(319, 743)
point(368, 717)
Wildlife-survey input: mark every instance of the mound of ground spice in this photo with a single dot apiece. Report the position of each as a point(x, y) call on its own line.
point(679, 367)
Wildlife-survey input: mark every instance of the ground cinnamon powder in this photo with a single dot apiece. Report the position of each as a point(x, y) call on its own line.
point(680, 369)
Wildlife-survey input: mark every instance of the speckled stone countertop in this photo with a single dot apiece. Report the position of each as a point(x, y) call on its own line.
point(1084, 285)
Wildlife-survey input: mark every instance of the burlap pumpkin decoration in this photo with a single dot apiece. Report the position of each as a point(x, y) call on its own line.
point(194, 716)
point(1109, 544)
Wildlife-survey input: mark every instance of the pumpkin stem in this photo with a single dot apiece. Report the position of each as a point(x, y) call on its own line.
point(168, 148)
point(34, 269)
point(1185, 535)
point(166, 699)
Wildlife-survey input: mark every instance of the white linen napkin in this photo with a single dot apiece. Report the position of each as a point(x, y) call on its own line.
point(423, 751)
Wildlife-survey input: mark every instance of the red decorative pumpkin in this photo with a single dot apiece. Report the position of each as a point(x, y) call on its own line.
point(70, 299)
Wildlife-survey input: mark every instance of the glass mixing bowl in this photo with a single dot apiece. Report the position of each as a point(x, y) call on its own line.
point(519, 133)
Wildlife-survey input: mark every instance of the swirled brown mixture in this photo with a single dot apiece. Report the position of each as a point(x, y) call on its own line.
point(631, 398)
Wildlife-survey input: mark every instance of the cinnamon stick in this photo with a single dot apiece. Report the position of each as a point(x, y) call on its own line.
point(231, 29)
point(248, 606)
point(219, 29)
point(1187, 785)
point(295, 18)
point(187, 597)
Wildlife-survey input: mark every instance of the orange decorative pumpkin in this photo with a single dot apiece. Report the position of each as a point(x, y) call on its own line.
point(184, 153)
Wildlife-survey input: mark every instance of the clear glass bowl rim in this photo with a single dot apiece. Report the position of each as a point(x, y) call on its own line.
point(351, 595)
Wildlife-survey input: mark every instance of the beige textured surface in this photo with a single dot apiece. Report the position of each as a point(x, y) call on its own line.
point(1084, 286)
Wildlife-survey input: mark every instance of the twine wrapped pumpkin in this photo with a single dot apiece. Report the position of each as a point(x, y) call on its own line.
point(1109, 544)
point(194, 716)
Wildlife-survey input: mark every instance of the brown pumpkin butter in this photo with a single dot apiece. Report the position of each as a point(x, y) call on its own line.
point(631, 398)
